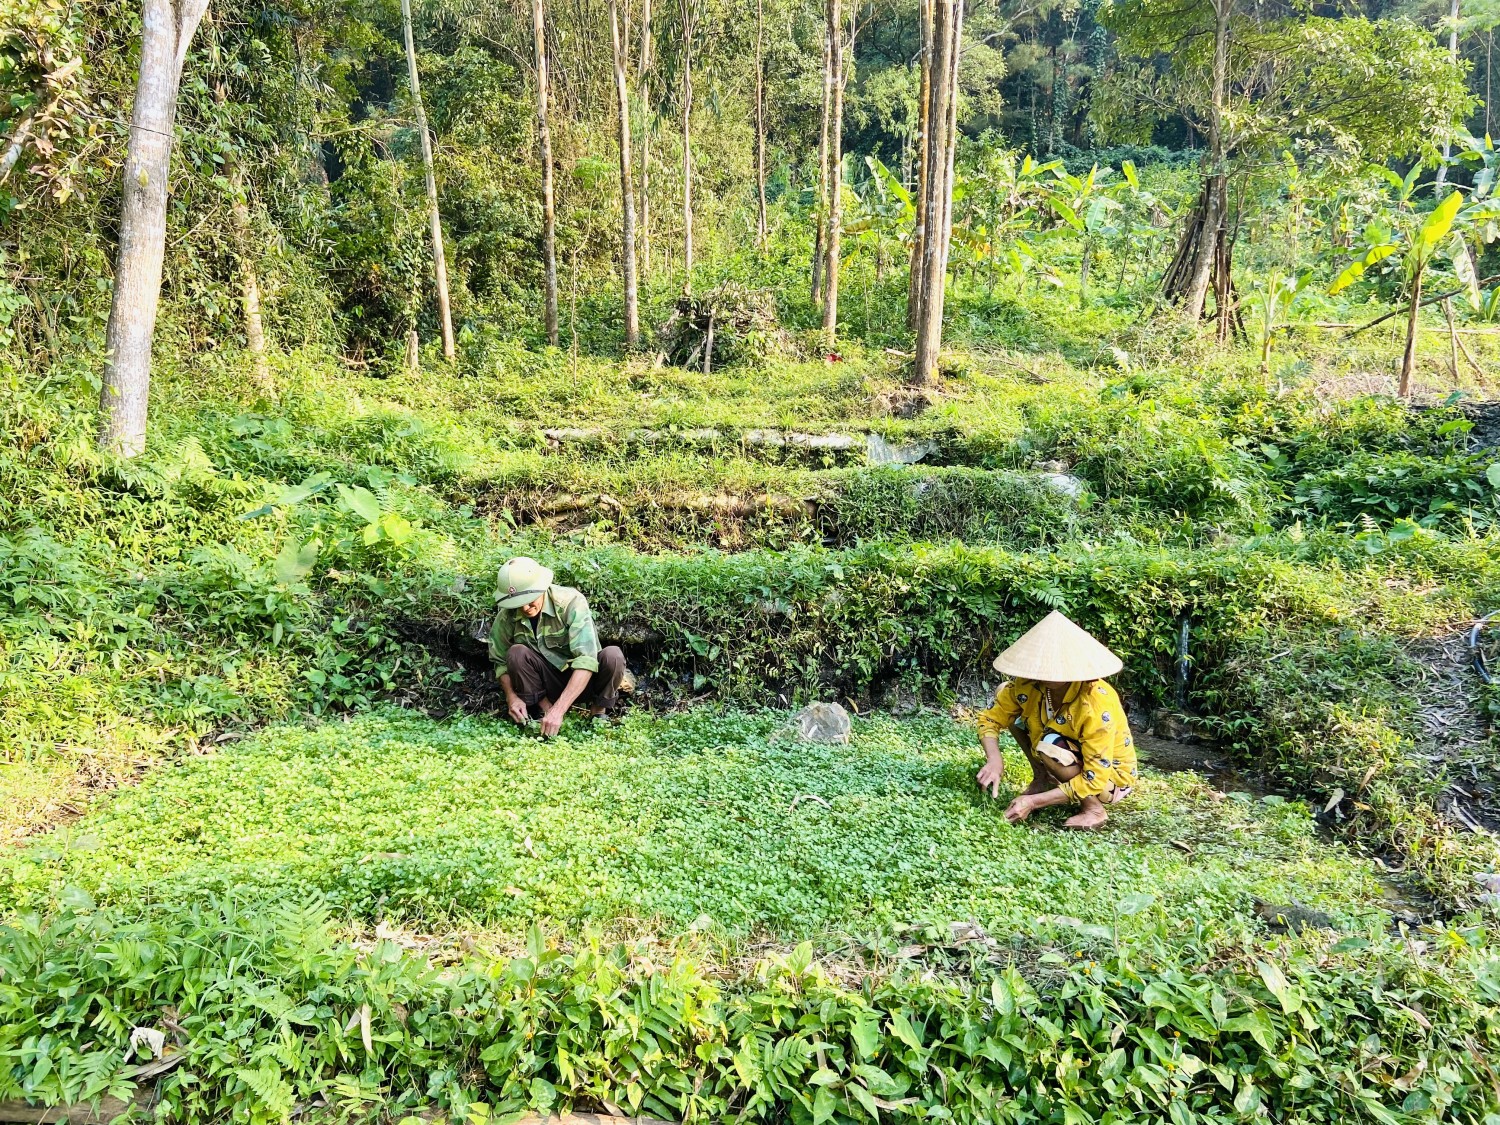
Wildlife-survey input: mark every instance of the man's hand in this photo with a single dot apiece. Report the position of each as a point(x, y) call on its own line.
point(990, 775)
point(552, 719)
point(517, 709)
point(1022, 807)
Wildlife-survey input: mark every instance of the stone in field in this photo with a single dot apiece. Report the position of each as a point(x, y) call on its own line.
point(822, 722)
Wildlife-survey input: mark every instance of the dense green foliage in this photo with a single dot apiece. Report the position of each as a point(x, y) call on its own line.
point(256, 789)
point(269, 1010)
point(720, 820)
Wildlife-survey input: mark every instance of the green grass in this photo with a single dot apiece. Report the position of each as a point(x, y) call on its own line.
point(662, 821)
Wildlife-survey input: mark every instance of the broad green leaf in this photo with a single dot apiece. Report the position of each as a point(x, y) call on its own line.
point(1463, 269)
point(1356, 269)
point(361, 501)
point(880, 1083)
point(1128, 168)
point(866, 1033)
point(824, 1103)
point(1436, 226)
point(1247, 1101)
point(1492, 474)
point(1067, 214)
point(1276, 981)
point(1259, 1026)
point(1135, 903)
point(295, 563)
point(866, 1100)
point(904, 1031)
point(300, 492)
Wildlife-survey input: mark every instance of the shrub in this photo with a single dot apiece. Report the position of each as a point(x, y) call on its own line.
point(268, 1010)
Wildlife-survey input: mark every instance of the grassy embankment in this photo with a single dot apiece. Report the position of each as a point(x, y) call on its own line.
point(147, 613)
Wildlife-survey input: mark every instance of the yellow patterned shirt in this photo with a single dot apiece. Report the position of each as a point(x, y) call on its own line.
point(1091, 716)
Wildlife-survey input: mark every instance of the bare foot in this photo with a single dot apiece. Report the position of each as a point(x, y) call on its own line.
point(1091, 816)
point(597, 712)
point(1039, 786)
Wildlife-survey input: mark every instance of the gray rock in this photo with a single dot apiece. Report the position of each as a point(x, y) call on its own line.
point(878, 451)
point(1065, 483)
point(823, 722)
point(834, 443)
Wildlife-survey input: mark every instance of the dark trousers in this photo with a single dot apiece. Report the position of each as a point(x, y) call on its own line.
point(535, 679)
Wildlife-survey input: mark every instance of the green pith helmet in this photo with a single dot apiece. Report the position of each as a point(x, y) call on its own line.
point(521, 581)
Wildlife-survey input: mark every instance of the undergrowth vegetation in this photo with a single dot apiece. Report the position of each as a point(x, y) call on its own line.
point(320, 565)
point(721, 820)
point(268, 1010)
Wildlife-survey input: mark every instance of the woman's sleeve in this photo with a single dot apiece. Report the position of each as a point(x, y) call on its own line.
point(1096, 738)
point(1005, 711)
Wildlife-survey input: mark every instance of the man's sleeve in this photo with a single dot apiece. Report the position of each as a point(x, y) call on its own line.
point(501, 633)
point(1096, 739)
point(583, 640)
point(1005, 711)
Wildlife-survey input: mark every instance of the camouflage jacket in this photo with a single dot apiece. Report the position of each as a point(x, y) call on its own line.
point(563, 632)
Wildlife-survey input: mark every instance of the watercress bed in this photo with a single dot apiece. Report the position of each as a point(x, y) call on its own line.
point(720, 819)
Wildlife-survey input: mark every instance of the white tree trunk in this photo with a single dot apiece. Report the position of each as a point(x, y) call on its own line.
point(642, 74)
point(919, 190)
point(1213, 217)
point(1453, 11)
point(947, 23)
point(627, 191)
point(687, 146)
point(834, 235)
point(820, 235)
point(544, 140)
point(435, 219)
point(167, 31)
point(244, 247)
point(760, 124)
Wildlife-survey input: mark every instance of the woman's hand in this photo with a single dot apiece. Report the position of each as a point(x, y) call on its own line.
point(1022, 807)
point(991, 773)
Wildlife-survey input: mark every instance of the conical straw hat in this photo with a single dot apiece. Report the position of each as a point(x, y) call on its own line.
point(1057, 651)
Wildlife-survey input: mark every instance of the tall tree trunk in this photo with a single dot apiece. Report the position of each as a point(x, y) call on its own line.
point(167, 30)
point(1453, 10)
point(244, 247)
point(919, 195)
point(1409, 356)
point(760, 123)
point(1195, 293)
point(435, 218)
point(820, 235)
point(244, 253)
point(627, 191)
point(834, 240)
point(946, 17)
point(544, 139)
point(687, 146)
point(643, 69)
point(950, 136)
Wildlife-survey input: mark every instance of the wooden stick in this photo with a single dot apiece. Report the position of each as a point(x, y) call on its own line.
point(1421, 304)
point(1452, 339)
point(1465, 349)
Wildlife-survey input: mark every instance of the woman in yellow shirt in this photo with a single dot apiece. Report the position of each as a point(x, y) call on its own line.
point(1067, 721)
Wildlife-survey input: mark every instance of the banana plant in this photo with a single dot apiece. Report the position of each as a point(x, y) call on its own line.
point(1270, 305)
point(1419, 244)
point(1002, 197)
point(878, 211)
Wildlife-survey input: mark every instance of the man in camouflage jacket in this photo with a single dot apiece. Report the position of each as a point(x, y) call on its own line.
point(546, 650)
